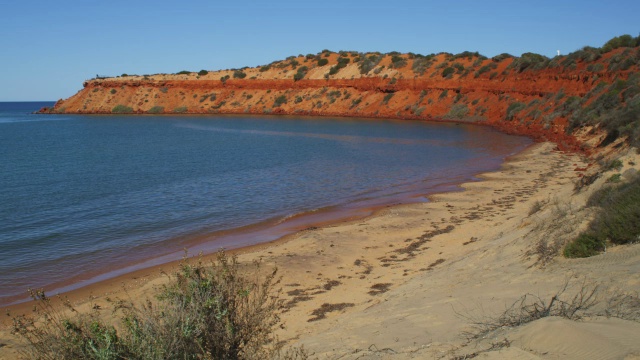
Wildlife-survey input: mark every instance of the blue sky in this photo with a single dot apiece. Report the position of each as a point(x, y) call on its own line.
point(48, 48)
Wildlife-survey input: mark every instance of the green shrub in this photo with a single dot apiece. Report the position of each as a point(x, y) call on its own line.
point(369, 62)
point(184, 72)
point(616, 219)
point(503, 56)
point(323, 62)
point(467, 55)
point(180, 110)
point(156, 110)
point(483, 70)
point(458, 111)
point(164, 90)
point(620, 41)
point(265, 68)
point(113, 91)
point(421, 64)
point(448, 71)
point(342, 63)
point(206, 97)
point(615, 178)
point(239, 74)
point(584, 245)
point(301, 73)
point(513, 109)
point(219, 105)
point(528, 61)
point(418, 110)
point(614, 165)
point(121, 109)
point(334, 94)
point(397, 61)
point(387, 97)
point(615, 109)
point(204, 312)
point(203, 72)
point(282, 99)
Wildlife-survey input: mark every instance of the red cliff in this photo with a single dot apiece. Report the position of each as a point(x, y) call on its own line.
point(531, 95)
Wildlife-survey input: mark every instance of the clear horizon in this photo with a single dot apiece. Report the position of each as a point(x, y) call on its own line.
point(50, 49)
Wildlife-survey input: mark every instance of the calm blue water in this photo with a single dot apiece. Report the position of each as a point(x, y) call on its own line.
point(81, 196)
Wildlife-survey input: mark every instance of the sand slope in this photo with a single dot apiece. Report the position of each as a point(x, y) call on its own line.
point(476, 269)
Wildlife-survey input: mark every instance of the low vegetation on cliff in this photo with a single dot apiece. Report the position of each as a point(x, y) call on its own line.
point(548, 98)
point(590, 94)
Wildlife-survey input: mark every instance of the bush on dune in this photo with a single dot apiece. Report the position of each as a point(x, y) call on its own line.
point(616, 221)
point(121, 109)
point(204, 312)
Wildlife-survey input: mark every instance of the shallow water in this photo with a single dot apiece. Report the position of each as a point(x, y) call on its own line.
point(84, 195)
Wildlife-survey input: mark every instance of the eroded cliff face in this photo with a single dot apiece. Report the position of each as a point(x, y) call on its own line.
point(518, 95)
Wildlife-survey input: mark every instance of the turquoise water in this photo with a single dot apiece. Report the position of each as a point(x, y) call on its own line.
point(83, 198)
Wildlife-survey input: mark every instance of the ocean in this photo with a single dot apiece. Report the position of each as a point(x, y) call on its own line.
point(86, 198)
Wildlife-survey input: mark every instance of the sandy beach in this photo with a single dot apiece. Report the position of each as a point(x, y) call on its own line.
point(407, 281)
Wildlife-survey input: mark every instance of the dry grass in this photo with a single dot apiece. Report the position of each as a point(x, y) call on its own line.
point(566, 302)
point(558, 228)
point(623, 305)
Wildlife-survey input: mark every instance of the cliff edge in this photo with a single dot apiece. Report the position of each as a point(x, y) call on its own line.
point(545, 98)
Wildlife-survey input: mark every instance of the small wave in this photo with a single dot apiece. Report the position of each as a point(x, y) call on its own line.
point(296, 215)
point(36, 118)
point(341, 138)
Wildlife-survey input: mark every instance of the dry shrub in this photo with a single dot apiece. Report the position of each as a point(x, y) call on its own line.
point(537, 206)
point(624, 306)
point(545, 250)
point(572, 301)
point(551, 233)
point(570, 305)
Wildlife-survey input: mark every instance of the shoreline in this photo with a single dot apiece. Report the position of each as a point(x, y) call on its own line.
point(202, 244)
point(271, 229)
